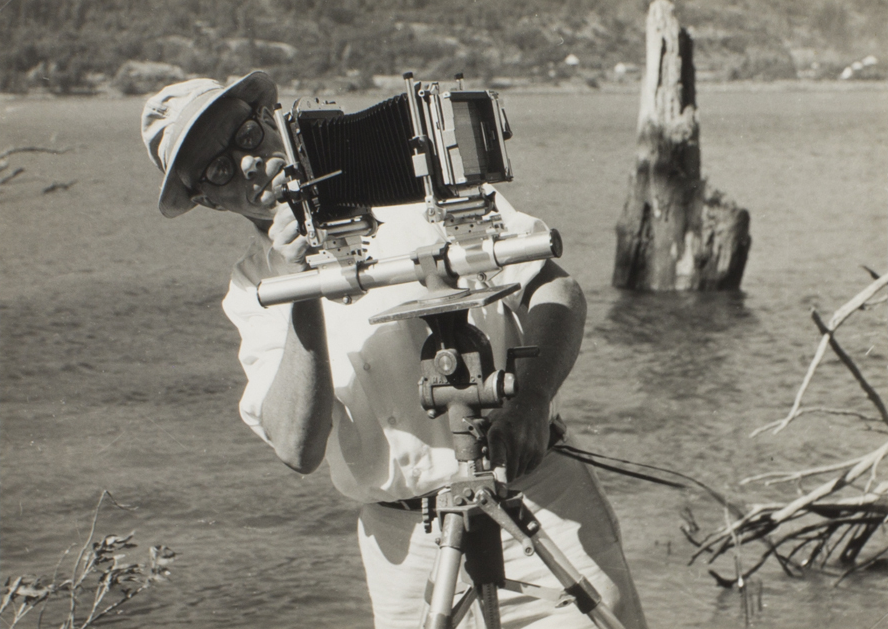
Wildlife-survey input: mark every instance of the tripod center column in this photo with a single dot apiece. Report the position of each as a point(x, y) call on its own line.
point(469, 438)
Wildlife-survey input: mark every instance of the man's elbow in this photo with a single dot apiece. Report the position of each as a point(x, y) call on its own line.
point(298, 428)
point(302, 465)
point(304, 459)
point(302, 445)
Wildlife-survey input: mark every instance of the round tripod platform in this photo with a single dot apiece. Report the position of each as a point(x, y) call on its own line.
point(439, 304)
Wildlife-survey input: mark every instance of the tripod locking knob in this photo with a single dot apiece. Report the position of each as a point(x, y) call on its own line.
point(446, 362)
point(510, 385)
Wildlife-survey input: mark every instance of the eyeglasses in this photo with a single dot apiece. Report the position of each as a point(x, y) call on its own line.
point(220, 170)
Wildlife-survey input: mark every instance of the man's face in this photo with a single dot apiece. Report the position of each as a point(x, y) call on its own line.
point(233, 160)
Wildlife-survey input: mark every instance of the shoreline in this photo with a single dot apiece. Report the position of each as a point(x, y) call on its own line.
point(565, 88)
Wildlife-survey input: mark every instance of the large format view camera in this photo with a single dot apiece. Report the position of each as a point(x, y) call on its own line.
point(426, 145)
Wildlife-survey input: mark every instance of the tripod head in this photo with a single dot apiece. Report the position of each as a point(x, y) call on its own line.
point(458, 371)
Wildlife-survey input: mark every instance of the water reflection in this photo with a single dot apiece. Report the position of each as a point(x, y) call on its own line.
point(667, 319)
point(675, 348)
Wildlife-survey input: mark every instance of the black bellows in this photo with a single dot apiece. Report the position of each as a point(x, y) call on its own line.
point(371, 148)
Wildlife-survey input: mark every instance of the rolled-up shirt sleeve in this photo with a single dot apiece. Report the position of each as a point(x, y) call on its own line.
point(263, 334)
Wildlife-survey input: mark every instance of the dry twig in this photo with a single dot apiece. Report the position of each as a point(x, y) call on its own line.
point(102, 561)
point(826, 524)
point(58, 186)
point(15, 173)
point(32, 149)
point(18, 171)
point(837, 319)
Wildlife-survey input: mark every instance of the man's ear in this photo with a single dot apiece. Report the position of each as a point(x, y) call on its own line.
point(268, 117)
point(204, 200)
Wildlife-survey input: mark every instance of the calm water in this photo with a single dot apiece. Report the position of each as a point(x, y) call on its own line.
point(119, 369)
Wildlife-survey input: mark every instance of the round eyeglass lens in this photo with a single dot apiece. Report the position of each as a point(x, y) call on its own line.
point(220, 171)
point(249, 135)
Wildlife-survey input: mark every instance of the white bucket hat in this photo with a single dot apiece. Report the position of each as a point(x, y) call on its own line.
point(170, 114)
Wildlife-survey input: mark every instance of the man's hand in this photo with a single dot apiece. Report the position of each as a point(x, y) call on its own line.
point(519, 435)
point(288, 247)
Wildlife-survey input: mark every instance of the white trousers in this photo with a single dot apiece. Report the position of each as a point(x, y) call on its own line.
point(565, 497)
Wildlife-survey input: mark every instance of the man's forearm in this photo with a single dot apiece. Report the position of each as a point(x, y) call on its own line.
point(555, 323)
point(297, 411)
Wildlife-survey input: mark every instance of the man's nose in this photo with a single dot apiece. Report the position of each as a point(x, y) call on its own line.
point(250, 165)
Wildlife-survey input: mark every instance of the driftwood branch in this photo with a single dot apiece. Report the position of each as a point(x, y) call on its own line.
point(58, 186)
point(32, 149)
point(838, 318)
point(786, 477)
point(825, 524)
point(15, 173)
point(4, 165)
point(849, 363)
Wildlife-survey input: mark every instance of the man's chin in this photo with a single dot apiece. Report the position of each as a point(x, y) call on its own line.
point(257, 209)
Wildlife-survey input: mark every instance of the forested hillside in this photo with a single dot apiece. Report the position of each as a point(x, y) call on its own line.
point(69, 46)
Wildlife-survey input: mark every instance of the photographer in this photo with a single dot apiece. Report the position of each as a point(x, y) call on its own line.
point(323, 383)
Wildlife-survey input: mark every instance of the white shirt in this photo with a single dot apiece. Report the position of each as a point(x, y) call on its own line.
point(383, 446)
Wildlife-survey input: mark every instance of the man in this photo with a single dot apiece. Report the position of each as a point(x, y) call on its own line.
point(325, 384)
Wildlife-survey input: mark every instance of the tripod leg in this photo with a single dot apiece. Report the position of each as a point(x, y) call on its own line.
point(490, 606)
point(484, 564)
point(448, 562)
point(429, 590)
point(587, 598)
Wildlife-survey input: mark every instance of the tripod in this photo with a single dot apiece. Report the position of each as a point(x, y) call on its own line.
point(459, 379)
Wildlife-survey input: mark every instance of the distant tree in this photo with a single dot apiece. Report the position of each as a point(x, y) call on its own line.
point(832, 21)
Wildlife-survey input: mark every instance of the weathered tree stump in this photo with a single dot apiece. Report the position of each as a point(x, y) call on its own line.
point(671, 235)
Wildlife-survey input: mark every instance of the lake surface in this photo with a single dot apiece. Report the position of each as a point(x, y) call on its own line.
point(119, 369)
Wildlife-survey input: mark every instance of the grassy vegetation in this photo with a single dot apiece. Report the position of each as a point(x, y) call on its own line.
point(69, 46)
point(99, 573)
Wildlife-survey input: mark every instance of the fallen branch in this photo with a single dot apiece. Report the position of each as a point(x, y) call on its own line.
point(18, 171)
point(837, 319)
point(15, 173)
point(785, 477)
point(869, 461)
point(862, 566)
point(58, 186)
point(32, 149)
point(849, 363)
point(826, 524)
